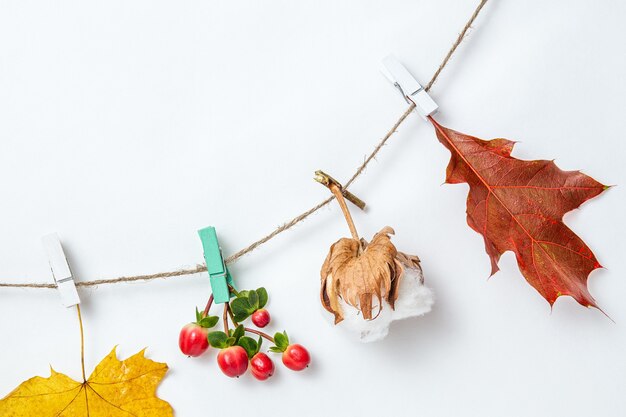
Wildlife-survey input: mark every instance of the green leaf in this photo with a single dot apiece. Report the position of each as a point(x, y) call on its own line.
point(238, 333)
point(281, 340)
point(241, 308)
point(253, 300)
point(262, 293)
point(275, 349)
point(249, 344)
point(240, 317)
point(198, 316)
point(258, 345)
point(218, 339)
point(230, 341)
point(209, 322)
point(242, 294)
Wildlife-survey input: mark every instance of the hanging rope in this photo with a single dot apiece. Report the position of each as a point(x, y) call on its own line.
point(301, 217)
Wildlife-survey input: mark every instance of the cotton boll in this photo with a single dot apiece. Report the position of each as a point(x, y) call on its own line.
point(366, 330)
point(355, 271)
point(414, 299)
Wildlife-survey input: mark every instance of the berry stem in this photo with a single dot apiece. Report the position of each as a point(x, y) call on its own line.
point(232, 317)
point(249, 330)
point(208, 306)
point(260, 333)
point(225, 317)
point(233, 290)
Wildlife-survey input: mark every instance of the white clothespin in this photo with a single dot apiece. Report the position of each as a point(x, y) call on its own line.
point(61, 270)
point(412, 91)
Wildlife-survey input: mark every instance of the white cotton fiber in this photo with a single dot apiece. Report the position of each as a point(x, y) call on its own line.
point(414, 299)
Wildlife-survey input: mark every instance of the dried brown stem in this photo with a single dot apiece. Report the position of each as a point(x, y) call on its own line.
point(344, 208)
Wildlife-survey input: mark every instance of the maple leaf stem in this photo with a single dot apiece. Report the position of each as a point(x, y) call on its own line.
point(82, 343)
point(344, 208)
point(208, 306)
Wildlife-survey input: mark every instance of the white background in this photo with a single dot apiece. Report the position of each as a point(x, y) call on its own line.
point(127, 126)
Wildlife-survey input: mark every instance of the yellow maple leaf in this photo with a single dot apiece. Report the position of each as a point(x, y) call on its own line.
point(115, 388)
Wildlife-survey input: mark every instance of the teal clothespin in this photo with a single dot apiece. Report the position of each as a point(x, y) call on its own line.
point(216, 267)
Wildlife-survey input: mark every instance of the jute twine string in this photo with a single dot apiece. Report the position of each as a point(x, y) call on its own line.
point(289, 224)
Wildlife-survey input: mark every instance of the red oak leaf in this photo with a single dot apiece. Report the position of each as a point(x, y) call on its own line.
point(519, 206)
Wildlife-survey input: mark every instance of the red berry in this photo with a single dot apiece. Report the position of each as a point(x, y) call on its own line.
point(261, 366)
point(296, 357)
point(261, 317)
point(233, 361)
point(193, 340)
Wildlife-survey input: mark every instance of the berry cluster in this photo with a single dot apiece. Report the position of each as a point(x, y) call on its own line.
point(237, 350)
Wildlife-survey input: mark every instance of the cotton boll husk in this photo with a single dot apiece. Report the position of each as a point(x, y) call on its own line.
point(414, 299)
